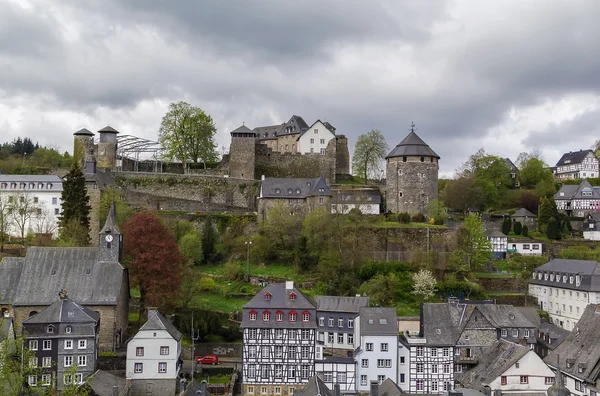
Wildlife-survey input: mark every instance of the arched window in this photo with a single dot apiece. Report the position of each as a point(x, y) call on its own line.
point(266, 316)
point(268, 296)
point(290, 191)
point(277, 191)
point(279, 316)
point(297, 191)
point(50, 329)
point(32, 313)
point(292, 296)
point(252, 316)
point(293, 316)
point(305, 316)
point(4, 312)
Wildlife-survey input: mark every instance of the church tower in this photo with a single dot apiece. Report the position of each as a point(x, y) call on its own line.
point(111, 239)
point(412, 175)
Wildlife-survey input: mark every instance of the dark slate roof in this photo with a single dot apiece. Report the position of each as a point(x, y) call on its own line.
point(110, 225)
point(102, 383)
point(159, 322)
point(84, 132)
point(581, 347)
point(495, 233)
point(64, 310)
point(556, 334)
point(10, 270)
point(327, 125)
point(441, 322)
point(389, 388)
point(279, 300)
point(567, 191)
point(330, 127)
point(531, 314)
point(49, 269)
point(589, 270)
point(297, 188)
point(503, 316)
point(378, 321)
point(314, 387)
point(573, 157)
point(511, 165)
point(101, 178)
point(6, 327)
point(194, 387)
point(31, 178)
point(108, 129)
point(298, 122)
point(523, 213)
point(412, 145)
point(357, 196)
point(242, 129)
point(586, 187)
point(341, 304)
point(269, 131)
point(499, 358)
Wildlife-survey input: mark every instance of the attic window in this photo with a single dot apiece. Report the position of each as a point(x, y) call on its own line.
point(298, 191)
point(53, 271)
point(309, 184)
point(71, 314)
point(277, 191)
point(290, 191)
point(293, 296)
point(267, 296)
point(50, 329)
point(382, 321)
point(511, 316)
point(370, 321)
point(88, 271)
point(438, 331)
point(68, 329)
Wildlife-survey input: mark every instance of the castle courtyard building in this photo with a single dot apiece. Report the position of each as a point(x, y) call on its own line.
point(412, 176)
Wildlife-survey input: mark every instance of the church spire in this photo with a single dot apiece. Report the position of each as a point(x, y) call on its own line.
point(110, 226)
point(111, 239)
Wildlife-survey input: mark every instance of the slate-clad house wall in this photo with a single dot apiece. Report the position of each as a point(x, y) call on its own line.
point(101, 286)
point(335, 318)
point(299, 195)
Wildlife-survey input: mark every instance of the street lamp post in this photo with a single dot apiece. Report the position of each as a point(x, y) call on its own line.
point(248, 244)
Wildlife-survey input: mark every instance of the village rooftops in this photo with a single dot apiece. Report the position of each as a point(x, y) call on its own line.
point(581, 275)
point(378, 321)
point(573, 157)
point(157, 321)
point(64, 310)
point(293, 188)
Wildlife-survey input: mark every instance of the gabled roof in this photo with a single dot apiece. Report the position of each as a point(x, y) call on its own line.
point(269, 131)
point(573, 157)
point(83, 132)
point(412, 145)
point(31, 178)
point(194, 387)
point(378, 321)
point(64, 310)
point(297, 188)
point(531, 314)
point(556, 334)
point(10, 273)
point(511, 165)
point(327, 125)
point(586, 187)
point(158, 322)
point(503, 316)
point(102, 383)
point(588, 270)
point(101, 178)
point(242, 129)
point(566, 191)
point(441, 323)
point(341, 304)
point(314, 387)
point(389, 388)
point(108, 129)
point(499, 358)
point(581, 348)
point(495, 234)
point(523, 213)
point(77, 269)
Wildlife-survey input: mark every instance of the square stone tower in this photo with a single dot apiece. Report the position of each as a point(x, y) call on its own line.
point(242, 153)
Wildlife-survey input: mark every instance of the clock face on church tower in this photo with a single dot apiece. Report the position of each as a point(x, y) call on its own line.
point(109, 238)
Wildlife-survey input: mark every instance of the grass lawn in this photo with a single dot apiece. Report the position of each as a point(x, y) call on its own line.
point(271, 270)
point(395, 224)
point(217, 302)
point(215, 379)
point(492, 275)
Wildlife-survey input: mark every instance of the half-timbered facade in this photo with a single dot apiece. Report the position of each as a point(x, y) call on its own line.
point(578, 200)
point(334, 370)
point(577, 165)
point(279, 335)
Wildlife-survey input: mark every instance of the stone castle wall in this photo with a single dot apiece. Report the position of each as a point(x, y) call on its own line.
point(342, 156)
point(411, 185)
point(242, 157)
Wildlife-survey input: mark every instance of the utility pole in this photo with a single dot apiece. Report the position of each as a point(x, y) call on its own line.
point(195, 337)
point(248, 244)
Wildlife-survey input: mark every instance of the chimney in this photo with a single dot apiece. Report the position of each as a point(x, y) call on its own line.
point(115, 390)
point(497, 392)
point(336, 390)
point(289, 285)
point(487, 391)
point(374, 388)
point(203, 388)
point(152, 311)
point(262, 177)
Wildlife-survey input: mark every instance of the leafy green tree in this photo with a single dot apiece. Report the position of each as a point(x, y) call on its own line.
point(548, 210)
point(424, 284)
point(553, 229)
point(381, 289)
point(369, 152)
point(304, 260)
point(475, 243)
point(458, 263)
point(462, 194)
point(209, 240)
point(317, 229)
point(506, 225)
point(73, 388)
point(518, 227)
point(532, 171)
point(187, 134)
point(15, 367)
point(437, 210)
point(190, 246)
point(282, 228)
point(75, 203)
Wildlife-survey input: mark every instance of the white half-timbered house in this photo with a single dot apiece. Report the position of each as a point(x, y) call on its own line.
point(279, 340)
point(577, 165)
point(578, 200)
point(377, 346)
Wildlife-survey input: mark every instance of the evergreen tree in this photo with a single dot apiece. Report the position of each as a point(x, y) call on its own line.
point(506, 225)
point(302, 257)
point(75, 203)
point(547, 211)
point(553, 229)
point(525, 231)
point(209, 240)
point(518, 228)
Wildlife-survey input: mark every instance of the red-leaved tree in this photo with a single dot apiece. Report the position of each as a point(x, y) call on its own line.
point(154, 261)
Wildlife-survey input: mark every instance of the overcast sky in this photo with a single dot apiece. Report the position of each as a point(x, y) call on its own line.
point(509, 76)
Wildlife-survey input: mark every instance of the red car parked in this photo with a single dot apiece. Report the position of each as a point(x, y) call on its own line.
point(208, 359)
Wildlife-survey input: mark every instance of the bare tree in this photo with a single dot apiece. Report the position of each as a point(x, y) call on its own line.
point(4, 218)
point(22, 208)
point(43, 221)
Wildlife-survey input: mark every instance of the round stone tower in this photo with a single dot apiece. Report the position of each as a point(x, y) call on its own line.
point(83, 141)
point(412, 175)
point(107, 149)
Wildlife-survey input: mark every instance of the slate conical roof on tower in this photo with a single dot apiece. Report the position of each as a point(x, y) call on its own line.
point(110, 226)
point(412, 145)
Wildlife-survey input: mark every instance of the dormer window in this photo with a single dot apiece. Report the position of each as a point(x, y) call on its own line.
point(551, 277)
point(266, 316)
point(308, 184)
point(305, 316)
point(278, 191)
point(68, 329)
point(298, 191)
point(279, 316)
point(268, 296)
point(292, 296)
point(577, 280)
point(571, 279)
point(533, 275)
point(293, 316)
point(290, 191)
point(564, 278)
point(50, 329)
point(252, 316)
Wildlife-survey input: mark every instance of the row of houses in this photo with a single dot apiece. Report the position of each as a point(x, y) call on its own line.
point(289, 338)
